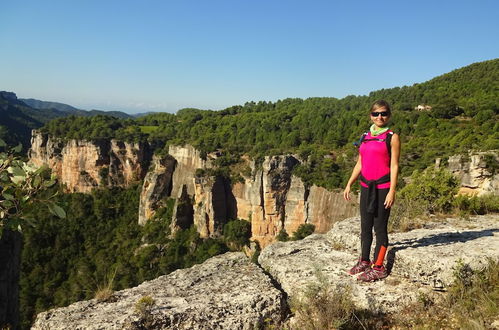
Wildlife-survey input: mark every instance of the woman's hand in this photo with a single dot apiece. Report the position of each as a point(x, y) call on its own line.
point(346, 193)
point(390, 199)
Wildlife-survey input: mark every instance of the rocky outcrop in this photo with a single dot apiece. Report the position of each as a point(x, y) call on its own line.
point(84, 165)
point(225, 292)
point(229, 292)
point(157, 185)
point(182, 212)
point(214, 205)
point(325, 208)
point(421, 260)
point(188, 161)
point(271, 198)
point(261, 199)
point(478, 172)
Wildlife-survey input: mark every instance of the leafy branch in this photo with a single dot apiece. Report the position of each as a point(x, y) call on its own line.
point(20, 186)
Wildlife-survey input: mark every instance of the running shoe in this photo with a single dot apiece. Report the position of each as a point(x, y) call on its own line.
point(373, 273)
point(359, 267)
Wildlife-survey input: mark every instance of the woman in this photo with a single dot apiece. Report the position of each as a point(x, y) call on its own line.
point(377, 166)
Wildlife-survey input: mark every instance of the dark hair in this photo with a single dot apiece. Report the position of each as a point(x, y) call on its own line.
point(381, 104)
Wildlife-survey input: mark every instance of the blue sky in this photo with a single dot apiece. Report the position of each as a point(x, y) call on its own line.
point(139, 56)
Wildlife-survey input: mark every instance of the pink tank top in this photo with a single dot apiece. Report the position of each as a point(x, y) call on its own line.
point(375, 159)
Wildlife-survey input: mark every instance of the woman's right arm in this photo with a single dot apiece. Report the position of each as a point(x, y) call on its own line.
point(353, 177)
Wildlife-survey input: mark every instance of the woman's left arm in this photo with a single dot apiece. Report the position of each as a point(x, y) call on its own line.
point(394, 171)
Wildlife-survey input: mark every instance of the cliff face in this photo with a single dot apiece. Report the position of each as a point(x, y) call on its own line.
point(271, 198)
point(157, 185)
point(274, 199)
point(477, 172)
point(85, 165)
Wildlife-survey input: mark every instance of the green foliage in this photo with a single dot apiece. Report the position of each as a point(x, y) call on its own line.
point(432, 188)
point(472, 302)
point(304, 230)
point(282, 236)
point(143, 305)
point(237, 233)
point(471, 205)
point(474, 296)
point(21, 185)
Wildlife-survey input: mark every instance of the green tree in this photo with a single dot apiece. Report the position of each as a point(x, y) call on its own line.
point(237, 233)
point(304, 230)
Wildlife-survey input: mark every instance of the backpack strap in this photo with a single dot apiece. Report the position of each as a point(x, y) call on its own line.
point(359, 142)
point(388, 142)
point(387, 139)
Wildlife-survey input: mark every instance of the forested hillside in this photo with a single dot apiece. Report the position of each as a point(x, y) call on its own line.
point(465, 108)
point(19, 116)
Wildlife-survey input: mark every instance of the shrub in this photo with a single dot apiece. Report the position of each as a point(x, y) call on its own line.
point(433, 189)
point(143, 307)
point(237, 233)
point(282, 236)
point(406, 214)
point(476, 204)
point(471, 302)
point(304, 230)
point(324, 306)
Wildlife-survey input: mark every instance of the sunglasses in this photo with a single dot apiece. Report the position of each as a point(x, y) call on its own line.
point(382, 113)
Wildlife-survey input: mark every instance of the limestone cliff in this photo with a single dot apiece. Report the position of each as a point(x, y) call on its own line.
point(271, 198)
point(157, 185)
point(274, 199)
point(84, 165)
point(478, 172)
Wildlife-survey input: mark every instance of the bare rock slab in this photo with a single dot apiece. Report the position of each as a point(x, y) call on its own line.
point(225, 292)
point(430, 255)
point(420, 260)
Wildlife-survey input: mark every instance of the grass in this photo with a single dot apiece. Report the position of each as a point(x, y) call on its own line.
point(105, 291)
point(472, 302)
point(148, 129)
point(325, 306)
point(408, 214)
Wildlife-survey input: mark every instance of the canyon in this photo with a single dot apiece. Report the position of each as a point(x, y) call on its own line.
point(269, 196)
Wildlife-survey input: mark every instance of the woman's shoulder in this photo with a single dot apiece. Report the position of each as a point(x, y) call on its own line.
point(392, 133)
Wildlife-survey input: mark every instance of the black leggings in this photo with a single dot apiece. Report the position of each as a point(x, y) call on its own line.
point(378, 220)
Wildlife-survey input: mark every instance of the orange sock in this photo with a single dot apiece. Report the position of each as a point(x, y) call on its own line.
point(381, 256)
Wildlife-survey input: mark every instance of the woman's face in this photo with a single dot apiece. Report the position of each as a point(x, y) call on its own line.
point(380, 116)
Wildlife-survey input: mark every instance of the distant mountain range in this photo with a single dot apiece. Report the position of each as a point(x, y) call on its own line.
point(19, 116)
point(70, 110)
